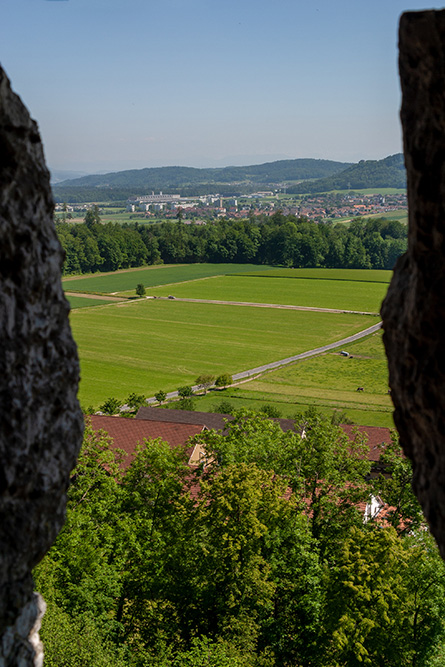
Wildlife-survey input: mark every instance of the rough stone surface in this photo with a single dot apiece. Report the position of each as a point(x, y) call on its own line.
point(414, 310)
point(40, 419)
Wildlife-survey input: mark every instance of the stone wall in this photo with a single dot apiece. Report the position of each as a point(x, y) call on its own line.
point(40, 420)
point(414, 310)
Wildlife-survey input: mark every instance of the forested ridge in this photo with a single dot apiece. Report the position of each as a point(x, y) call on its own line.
point(277, 240)
point(164, 177)
point(260, 559)
point(315, 176)
point(190, 182)
point(387, 173)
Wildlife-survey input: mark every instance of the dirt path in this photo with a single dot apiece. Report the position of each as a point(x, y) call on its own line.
point(97, 297)
point(272, 305)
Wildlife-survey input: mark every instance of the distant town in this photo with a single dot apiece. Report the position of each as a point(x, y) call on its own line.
point(324, 207)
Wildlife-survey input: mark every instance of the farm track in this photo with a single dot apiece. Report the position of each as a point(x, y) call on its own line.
point(272, 305)
point(111, 297)
point(98, 297)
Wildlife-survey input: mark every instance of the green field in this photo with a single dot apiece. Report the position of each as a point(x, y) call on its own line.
point(329, 382)
point(119, 281)
point(85, 302)
point(350, 275)
point(307, 292)
point(371, 191)
point(146, 345)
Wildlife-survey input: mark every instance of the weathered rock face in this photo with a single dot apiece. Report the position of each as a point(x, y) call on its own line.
point(40, 420)
point(414, 310)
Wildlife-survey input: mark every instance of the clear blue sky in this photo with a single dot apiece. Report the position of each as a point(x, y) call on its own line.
point(120, 84)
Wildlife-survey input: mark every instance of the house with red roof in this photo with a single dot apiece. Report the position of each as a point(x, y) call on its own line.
point(177, 427)
point(126, 434)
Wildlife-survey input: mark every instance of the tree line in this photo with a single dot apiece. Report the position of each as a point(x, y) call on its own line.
point(259, 558)
point(282, 240)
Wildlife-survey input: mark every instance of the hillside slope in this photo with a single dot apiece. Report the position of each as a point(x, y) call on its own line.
point(165, 177)
point(387, 173)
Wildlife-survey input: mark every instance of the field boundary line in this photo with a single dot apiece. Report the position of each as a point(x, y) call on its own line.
point(270, 305)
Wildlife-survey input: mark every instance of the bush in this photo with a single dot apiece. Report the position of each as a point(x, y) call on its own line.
point(135, 401)
point(225, 408)
point(271, 411)
point(340, 417)
point(223, 380)
point(160, 396)
point(140, 289)
point(185, 392)
point(205, 381)
point(110, 406)
point(186, 403)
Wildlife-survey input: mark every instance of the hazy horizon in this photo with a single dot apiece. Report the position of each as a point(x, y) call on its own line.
point(126, 84)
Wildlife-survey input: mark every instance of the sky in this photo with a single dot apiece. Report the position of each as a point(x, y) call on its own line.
point(128, 84)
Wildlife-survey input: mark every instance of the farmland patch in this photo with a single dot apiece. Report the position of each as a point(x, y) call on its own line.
point(143, 346)
point(329, 382)
point(338, 294)
point(149, 276)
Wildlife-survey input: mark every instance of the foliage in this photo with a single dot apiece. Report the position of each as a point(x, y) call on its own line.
point(223, 380)
point(140, 289)
point(277, 240)
point(321, 465)
point(185, 392)
point(259, 559)
point(163, 178)
point(110, 406)
point(389, 172)
point(135, 401)
point(205, 381)
point(385, 600)
point(394, 488)
point(161, 396)
point(186, 403)
point(270, 411)
point(92, 217)
point(77, 642)
point(225, 407)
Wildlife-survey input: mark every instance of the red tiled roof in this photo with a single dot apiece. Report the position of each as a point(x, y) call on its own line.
point(126, 433)
point(209, 419)
point(213, 420)
point(376, 436)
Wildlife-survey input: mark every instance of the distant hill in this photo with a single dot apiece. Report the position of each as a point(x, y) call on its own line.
point(58, 175)
point(387, 173)
point(190, 180)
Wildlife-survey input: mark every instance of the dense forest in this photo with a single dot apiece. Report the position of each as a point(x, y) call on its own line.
point(277, 240)
point(387, 173)
point(260, 559)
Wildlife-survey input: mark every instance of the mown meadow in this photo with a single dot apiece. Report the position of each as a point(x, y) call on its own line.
point(306, 292)
point(149, 276)
point(143, 345)
point(329, 382)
